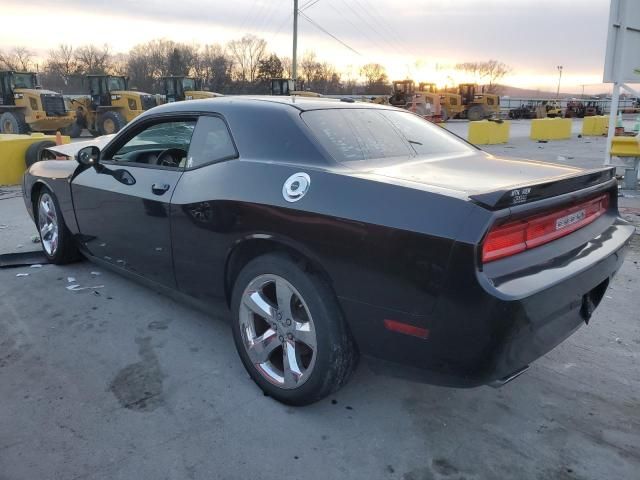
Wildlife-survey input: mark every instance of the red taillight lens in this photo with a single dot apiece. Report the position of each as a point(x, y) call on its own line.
point(515, 237)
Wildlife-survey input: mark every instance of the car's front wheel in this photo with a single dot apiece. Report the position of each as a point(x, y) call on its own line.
point(57, 243)
point(289, 331)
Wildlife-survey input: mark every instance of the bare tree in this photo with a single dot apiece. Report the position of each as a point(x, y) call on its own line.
point(492, 72)
point(488, 72)
point(62, 61)
point(213, 66)
point(93, 59)
point(375, 76)
point(246, 54)
point(18, 58)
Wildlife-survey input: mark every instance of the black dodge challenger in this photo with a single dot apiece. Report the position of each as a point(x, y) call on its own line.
point(331, 229)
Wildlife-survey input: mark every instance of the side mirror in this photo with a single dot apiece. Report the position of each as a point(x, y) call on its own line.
point(88, 156)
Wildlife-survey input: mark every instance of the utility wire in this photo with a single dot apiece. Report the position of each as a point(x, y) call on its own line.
point(368, 8)
point(366, 23)
point(322, 29)
point(309, 4)
point(355, 27)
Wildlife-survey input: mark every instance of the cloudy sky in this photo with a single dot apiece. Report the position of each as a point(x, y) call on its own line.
point(416, 38)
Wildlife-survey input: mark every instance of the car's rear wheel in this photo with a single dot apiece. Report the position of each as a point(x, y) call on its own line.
point(57, 243)
point(289, 331)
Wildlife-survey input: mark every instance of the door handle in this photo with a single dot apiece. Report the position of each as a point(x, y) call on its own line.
point(160, 188)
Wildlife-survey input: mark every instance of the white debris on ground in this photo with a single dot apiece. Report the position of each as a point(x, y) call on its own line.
point(77, 288)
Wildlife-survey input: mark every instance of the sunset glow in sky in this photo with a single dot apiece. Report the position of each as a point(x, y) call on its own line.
point(421, 39)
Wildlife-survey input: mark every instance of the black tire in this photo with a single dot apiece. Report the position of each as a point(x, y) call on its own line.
point(74, 130)
point(336, 353)
point(444, 114)
point(66, 250)
point(476, 113)
point(36, 152)
point(13, 122)
point(106, 119)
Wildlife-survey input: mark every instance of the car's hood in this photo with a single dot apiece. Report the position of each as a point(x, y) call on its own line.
point(70, 149)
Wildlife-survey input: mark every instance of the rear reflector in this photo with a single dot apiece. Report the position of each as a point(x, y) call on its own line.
point(407, 329)
point(515, 237)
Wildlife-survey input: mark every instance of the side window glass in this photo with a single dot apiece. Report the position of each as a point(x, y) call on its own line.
point(162, 144)
point(211, 142)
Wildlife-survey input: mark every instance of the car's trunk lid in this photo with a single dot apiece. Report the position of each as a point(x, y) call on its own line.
point(495, 182)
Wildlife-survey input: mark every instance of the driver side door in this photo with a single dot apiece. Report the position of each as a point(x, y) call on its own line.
point(122, 206)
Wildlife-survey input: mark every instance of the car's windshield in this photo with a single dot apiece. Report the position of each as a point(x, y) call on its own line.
point(368, 137)
point(24, 80)
point(116, 83)
point(188, 84)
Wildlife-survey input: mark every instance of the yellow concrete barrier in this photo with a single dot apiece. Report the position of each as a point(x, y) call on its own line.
point(596, 125)
point(625, 147)
point(550, 129)
point(12, 154)
point(485, 132)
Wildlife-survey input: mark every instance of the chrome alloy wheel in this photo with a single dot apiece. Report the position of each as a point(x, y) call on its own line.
point(48, 224)
point(277, 331)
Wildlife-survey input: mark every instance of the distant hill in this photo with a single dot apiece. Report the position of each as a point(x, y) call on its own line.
point(515, 92)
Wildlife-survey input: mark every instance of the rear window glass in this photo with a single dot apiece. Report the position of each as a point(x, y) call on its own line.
point(359, 137)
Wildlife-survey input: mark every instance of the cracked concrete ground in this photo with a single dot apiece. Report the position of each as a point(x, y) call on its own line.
point(120, 382)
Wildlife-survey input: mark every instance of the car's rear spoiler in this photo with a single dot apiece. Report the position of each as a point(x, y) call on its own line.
point(525, 193)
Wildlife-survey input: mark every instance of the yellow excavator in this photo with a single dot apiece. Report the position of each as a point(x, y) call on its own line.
point(177, 88)
point(25, 107)
point(109, 106)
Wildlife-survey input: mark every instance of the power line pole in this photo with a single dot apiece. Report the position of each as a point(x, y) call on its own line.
point(294, 60)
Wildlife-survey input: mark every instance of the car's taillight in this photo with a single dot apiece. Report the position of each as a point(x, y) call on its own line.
point(515, 237)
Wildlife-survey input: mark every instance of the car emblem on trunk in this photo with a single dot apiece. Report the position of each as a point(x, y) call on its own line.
point(296, 186)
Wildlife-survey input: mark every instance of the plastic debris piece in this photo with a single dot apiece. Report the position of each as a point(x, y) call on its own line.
point(35, 265)
point(619, 340)
point(71, 279)
point(22, 274)
point(35, 239)
point(96, 273)
point(77, 288)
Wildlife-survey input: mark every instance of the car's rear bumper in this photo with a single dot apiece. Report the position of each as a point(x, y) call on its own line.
point(487, 330)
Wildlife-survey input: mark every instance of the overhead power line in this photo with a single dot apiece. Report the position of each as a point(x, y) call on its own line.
point(309, 4)
point(322, 29)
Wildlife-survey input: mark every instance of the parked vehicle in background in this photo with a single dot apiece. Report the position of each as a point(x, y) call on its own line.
point(327, 230)
point(109, 106)
point(425, 102)
point(450, 103)
point(525, 110)
point(177, 88)
point(552, 108)
point(289, 86)
point(25, 107)
point(574, 108)
point(594, 107)
point(477, 105)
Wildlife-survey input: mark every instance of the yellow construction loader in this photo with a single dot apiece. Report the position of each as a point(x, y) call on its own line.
point(25, 107)
point(177, 88)
point(477, 105)
point(287, 86)
point(109, 106)
point(451, 103)
point(425, 102)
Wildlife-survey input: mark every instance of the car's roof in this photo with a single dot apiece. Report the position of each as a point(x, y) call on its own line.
point(298, 102)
